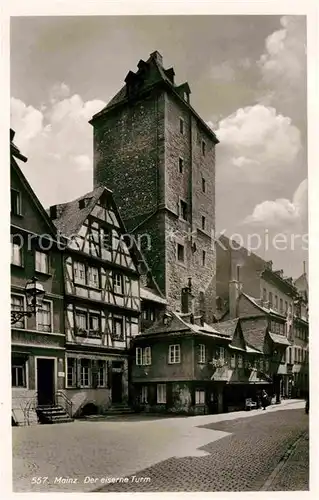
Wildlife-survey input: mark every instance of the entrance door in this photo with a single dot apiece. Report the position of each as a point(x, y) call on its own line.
point(116, 387)
point(45, 378)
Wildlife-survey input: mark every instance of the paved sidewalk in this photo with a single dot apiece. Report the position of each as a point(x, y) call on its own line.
point(119, 447)
point(294, 473)
point(241, 461)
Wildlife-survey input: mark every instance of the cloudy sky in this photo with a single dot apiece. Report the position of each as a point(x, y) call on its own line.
point(248, 80)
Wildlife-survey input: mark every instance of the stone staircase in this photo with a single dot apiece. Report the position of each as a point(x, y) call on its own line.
point(52, 414)
point(119, 409)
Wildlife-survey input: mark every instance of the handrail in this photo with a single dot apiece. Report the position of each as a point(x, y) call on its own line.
point(67, 402)
point(26, 410)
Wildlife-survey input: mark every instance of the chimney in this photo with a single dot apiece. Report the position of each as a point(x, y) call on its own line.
point(187, 298)
point(234, 292)
point(157, 57)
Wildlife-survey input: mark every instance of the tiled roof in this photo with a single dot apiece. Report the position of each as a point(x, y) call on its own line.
point(255, 337)
point(227, 327)
point(148, 294)
point(267, 310)
point(279, 339)
point(179, 323)
point(72, 217)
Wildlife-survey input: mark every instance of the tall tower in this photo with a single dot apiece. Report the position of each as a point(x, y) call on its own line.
point(158, 156)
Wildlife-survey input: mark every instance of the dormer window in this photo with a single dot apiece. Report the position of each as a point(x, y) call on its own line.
point(84, 202)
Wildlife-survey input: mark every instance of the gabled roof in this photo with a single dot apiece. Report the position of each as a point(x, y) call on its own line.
point(150, 74)
point(71, 217)
point(227, 327)
point(254, 337)
point(261, 307)
point(15, 153)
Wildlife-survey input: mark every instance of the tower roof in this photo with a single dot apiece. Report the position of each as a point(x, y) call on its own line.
point(151, 74)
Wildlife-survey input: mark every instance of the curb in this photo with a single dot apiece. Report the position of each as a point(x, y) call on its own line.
point(284, 459)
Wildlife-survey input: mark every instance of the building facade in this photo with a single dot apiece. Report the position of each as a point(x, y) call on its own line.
point(158, 155)
point(38, 341)
point(183, 365)
point(102, 301)
point(271, 307)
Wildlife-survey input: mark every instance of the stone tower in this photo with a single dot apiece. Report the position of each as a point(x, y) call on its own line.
point(158, 156)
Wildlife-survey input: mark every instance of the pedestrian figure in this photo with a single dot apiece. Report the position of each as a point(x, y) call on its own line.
point(264, 398)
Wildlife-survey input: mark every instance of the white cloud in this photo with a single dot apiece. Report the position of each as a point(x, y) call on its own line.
point(84, 162)
point(257, 141)
point(27, 120)
point(230, 70)
point(283, 67)
point(223, 72)
point(58, 141)
point(285, 55)
point(281, 212)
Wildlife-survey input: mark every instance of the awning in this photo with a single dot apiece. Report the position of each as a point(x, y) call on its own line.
point(279, 339)
point(252, 351)
point(233, 348)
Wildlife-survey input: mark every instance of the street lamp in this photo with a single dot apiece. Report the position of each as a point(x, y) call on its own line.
point(34, 294)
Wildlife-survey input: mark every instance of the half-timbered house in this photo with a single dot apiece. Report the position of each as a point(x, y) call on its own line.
point(102, 300)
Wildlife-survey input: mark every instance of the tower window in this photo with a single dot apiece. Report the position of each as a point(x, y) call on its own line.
point(203, 185)
point(203, 222)
point(181, 126)
point(180, 253)
point(204, 258)
point(183, 211)
point(203, 148)
point(181, 165)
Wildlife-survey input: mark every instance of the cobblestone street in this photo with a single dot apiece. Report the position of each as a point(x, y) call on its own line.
point(233, 452)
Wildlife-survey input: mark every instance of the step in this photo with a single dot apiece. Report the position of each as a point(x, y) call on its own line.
point(119, 411)
point(53, 414)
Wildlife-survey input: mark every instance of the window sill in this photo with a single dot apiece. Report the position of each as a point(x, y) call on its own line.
point(89, 287)
point(20, 266)
point(204, 232)
point(174, 363)
point(182, 264)
point(44, 274)
point(183, 220)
